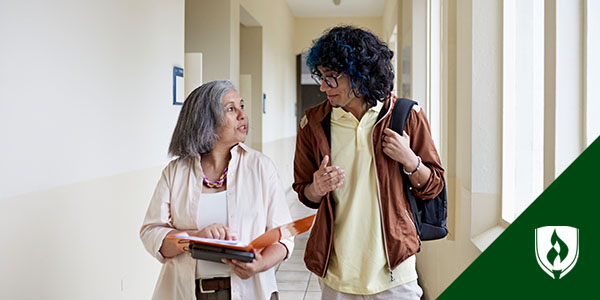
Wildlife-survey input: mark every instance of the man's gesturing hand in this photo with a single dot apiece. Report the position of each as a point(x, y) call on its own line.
point(327, 178)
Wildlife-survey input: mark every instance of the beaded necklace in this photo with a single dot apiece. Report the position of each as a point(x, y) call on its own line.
point(216, 184)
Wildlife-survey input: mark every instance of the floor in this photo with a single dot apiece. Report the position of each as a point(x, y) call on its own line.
point(295, 282)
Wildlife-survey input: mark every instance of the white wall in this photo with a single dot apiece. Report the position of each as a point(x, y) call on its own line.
point(86, 116)
point(86, 89)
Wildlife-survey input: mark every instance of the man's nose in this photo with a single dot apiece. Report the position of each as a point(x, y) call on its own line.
point(324, 87)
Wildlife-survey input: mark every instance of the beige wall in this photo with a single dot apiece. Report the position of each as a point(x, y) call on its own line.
point(308, 29)
point(79, 241)
point(279, 80)
point(389, 18)
point(251, 64)
point(212, 27)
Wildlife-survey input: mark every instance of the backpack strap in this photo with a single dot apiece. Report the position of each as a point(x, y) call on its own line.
point(400, 114)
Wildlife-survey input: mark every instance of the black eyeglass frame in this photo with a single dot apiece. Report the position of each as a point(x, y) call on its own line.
point(318, 78)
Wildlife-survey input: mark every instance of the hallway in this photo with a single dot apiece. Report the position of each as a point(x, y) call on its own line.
point(89, 97)
point(294, 281)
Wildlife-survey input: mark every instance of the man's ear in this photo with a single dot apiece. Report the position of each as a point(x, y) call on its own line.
point(355, 92)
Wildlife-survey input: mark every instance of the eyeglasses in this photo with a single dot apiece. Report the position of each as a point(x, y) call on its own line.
point(331, 81)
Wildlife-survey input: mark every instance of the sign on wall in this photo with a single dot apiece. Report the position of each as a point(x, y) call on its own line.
point(178, 86)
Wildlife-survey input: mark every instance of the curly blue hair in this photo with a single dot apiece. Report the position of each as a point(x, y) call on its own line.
point(361, 55)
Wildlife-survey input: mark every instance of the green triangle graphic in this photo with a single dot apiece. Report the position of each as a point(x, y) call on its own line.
point(508, 268)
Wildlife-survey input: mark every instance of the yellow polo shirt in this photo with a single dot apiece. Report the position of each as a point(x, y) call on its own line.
point(357, 264)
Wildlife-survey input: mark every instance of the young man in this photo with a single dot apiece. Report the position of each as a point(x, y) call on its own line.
point(346, 164)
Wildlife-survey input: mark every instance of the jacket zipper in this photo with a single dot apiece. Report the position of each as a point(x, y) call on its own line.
point(387, 256)
point(410, 218)
point(328, 251)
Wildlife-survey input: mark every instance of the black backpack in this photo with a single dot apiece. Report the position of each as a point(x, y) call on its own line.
point(429, 215)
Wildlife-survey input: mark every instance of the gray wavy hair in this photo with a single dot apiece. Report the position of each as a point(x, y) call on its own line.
point(200, 116)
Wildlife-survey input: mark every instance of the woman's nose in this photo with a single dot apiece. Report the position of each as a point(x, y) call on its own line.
point(242, 115)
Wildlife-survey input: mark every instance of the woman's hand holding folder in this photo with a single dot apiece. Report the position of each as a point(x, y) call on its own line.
point(173, 247)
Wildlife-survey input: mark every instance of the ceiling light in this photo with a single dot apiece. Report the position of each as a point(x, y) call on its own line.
point(336, 2)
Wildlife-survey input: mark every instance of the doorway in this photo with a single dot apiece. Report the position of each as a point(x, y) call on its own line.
point(250, 86)
point(307, 90)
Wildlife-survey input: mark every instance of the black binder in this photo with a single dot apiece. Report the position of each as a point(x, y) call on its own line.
point(214, 253)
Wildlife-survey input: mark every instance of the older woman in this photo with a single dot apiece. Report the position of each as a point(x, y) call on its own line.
point(217, 187)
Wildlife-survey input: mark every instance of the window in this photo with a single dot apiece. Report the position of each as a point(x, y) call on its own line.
point(393, 44)
point(592, 71)
point(434, 64)
point(523, 105)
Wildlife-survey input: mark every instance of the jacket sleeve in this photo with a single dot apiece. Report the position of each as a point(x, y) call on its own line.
point(278, 212)
point(157, 223)
point(305, 164)
point(421, 142)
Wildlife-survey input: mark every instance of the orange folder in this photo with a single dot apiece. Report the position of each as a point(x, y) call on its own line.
point(272, 236)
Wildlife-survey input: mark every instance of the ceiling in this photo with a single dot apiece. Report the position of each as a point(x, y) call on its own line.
point(326, 8)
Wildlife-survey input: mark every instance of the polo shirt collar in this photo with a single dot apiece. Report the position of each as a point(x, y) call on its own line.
point(338, 112)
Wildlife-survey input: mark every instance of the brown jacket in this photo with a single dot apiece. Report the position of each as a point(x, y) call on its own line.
point(399, 233)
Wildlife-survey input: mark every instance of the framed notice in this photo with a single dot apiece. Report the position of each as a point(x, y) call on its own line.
point(178, 86)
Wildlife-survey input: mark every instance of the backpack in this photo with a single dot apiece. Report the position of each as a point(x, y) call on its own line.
point(429, 215)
